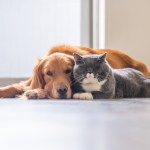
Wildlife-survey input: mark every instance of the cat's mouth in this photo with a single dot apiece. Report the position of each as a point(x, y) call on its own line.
point(89, 75)
point(89, 80)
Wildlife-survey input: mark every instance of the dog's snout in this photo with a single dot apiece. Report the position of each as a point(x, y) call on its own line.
point(62, 90)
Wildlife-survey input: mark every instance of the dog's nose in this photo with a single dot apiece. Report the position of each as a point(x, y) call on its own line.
point(62, 90)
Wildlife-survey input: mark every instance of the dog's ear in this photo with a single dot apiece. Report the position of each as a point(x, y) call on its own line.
point(38, 79)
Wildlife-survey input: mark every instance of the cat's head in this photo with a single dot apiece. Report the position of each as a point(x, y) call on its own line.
point(90, 68)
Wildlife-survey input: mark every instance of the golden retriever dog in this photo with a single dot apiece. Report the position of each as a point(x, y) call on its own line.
point(52, 76)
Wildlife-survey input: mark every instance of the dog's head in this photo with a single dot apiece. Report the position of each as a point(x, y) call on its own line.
point(53, 73)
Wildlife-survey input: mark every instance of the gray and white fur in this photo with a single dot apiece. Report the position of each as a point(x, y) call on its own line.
point(95, 79)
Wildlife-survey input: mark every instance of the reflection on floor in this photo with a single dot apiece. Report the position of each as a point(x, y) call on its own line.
point(75, 125)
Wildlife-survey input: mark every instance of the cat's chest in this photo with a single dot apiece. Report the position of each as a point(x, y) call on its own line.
point(95, 86)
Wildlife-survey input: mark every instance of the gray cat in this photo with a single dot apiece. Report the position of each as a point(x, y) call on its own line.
point(95, 79)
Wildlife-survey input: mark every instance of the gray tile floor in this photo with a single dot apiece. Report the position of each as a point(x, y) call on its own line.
point(8, 81)
point(75, 125)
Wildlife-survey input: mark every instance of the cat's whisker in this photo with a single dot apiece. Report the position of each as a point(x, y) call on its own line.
point(73, 82)
point(100, 77)
point(78, 79)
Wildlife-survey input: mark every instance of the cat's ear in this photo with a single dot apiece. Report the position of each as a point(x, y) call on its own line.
point(78, 58)
point(102, 58)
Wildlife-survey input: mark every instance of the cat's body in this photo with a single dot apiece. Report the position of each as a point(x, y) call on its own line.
point(95, 79)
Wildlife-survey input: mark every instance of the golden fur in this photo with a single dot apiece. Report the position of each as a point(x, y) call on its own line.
point(59, 63)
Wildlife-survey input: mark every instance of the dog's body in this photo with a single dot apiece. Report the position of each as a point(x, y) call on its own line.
point(51, 76)
point(116, 59)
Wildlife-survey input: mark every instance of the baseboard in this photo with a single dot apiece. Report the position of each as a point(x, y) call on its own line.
point(8, 81)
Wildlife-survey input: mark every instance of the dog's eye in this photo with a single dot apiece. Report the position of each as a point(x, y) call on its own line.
point(49, 73)
point(68, 71)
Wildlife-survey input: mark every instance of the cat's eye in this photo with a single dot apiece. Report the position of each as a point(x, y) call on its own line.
point(67, 71)
point(49, 73)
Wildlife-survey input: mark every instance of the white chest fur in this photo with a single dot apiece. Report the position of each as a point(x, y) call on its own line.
point(92, 84)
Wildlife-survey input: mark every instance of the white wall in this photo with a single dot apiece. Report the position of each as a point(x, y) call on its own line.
point(28, 28)
point(128, 27)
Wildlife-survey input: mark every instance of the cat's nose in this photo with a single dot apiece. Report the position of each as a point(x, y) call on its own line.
point(90, 72)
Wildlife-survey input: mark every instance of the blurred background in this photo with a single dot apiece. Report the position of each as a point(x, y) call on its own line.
point(29, 28)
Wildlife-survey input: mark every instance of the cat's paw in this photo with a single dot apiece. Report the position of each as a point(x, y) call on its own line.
point(36, 94)
point(83, 96)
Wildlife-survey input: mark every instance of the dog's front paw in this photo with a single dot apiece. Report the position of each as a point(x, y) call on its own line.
point(83, 96)
point(36, 94)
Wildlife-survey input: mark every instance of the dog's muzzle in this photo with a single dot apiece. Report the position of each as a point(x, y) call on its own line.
point(62, 91)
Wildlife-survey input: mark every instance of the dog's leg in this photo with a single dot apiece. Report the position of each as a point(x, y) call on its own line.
point(11, 91)
point(35, 94)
